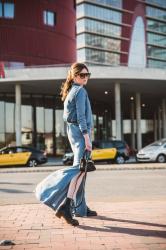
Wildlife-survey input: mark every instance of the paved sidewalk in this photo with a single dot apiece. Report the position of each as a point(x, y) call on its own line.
point(125, 225)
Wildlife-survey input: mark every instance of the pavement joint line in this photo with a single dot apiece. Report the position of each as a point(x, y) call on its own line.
point(98, 169)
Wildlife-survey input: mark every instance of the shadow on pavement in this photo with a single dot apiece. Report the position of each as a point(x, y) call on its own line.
point(5, 190)
point(13, 183)
point(125, 230)
point(128, 221)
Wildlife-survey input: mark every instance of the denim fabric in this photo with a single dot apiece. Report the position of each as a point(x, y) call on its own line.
point(53, 189)
point(77, 143)
point(77, 108)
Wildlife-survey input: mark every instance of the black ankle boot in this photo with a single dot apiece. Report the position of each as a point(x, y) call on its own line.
point(91, 212)
point(65, 212)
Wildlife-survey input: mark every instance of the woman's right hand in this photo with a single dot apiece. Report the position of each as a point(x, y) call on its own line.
point(88, 144)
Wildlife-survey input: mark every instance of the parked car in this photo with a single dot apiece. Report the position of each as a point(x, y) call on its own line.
point(18, 156)
point(154, 152)
point(111, 151)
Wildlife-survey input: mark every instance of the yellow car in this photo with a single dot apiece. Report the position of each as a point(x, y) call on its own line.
point(104, 154)
point(18, 156)
point(103, 151)
point(106, 151)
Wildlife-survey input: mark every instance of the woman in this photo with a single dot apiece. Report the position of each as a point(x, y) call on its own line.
point(68, 183)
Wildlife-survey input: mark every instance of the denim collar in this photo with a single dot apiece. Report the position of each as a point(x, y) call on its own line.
point(77, 84)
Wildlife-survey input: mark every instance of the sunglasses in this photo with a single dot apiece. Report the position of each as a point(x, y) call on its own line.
point(83, 75)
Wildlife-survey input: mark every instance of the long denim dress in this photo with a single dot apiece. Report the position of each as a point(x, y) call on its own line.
point(78, 115)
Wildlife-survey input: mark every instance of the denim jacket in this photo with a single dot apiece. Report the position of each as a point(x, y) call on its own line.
point(77, 108)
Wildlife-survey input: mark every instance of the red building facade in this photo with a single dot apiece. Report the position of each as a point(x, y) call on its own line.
point(37, 32)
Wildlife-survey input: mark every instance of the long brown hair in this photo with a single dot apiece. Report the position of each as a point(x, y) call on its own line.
point(75, 69)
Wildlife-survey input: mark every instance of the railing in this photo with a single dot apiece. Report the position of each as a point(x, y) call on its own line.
point(37, 66)
point(90, 64)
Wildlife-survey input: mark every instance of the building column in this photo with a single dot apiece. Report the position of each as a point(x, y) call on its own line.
point(138, 121)
point(110, 125)
point(159, 123)
point(54, 132)
point(118, 111)
point(18, 114)
point(34, 130)
point(97, 127)
point(155, 126)
point(164, 117)
point(132, 125)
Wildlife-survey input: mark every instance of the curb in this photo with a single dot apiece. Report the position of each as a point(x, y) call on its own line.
point(98, 168)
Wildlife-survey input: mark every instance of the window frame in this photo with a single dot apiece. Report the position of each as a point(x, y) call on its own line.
point(3, 11)
point(46, 18)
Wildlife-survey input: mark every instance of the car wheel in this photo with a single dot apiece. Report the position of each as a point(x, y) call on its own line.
point(120, 159)
point(161, 159)
point(32, 163)
point(67, 163)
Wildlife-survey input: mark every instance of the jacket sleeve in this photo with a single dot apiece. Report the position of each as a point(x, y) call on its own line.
point(81, 96)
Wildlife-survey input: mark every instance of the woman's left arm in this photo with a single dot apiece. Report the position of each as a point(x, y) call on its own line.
point(80, 110)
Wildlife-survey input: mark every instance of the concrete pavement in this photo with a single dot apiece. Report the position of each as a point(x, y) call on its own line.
point(118, 226)
point(132, 225)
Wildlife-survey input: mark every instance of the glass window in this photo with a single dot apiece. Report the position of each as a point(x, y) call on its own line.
point(101, 57)
point(114, 3)
point(161, 3)
point(26, 117)
point(157, 13)
point(99, 13)
point(159, 53)
point(9, 121)
point(0, 9)
point(98, 27)
point(21, 150)
point(48, 120)
point(80, 10)
point(60, 132)
point(80, 26)
point(99, 42)
point(156, 39)
point(157, 26)
point(2, 140)
point(48, 130)
point(119, 144)
point(40, 119)
point(9, 10)
point(106, 145)
point(60, 127)
point(81, 55)
point(156, 64)
point(2, 117)
point(40, 141)
point(80, 40)
point(49, 18)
